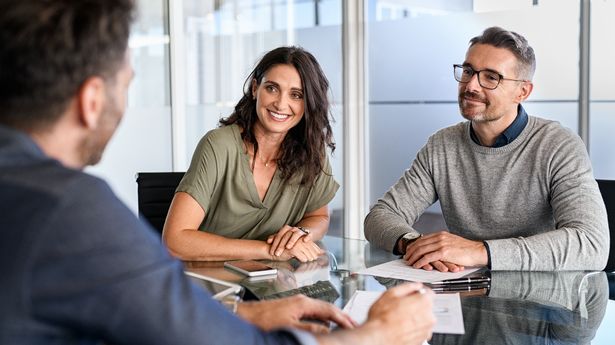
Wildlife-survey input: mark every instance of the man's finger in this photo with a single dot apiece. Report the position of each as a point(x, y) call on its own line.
point(440, 266)
point(453, 267)
point(406, 289)
point(428, 258)
point(418, 253)
point(328, 312)
point(312, 327)
point(427, 267)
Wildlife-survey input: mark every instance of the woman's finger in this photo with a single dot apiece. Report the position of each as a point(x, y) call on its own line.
point(282, 243)
point(277, 238)
point(297, 234)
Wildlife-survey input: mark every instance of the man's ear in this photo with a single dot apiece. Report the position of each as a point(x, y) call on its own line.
point(91, 101)
point(525, 91)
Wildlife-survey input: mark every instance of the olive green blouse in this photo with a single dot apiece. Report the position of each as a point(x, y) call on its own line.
point(220, 179)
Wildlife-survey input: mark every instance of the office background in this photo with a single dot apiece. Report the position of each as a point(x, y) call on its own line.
point(191, 59)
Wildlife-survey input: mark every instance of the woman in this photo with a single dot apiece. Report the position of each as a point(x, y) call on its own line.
point(258, 186)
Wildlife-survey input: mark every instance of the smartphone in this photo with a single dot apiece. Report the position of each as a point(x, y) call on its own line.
point(250, 268)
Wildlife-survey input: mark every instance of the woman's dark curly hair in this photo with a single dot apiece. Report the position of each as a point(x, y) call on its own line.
point(303, 148)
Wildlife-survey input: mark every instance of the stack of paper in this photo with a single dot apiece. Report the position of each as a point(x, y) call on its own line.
point(398, 269)
point(446, 308)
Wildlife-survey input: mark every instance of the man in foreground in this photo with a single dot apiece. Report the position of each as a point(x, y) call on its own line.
point(77, 266)
point(517, 192)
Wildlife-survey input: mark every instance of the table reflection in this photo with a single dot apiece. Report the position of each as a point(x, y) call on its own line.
point(518, 307)
point(534, 308)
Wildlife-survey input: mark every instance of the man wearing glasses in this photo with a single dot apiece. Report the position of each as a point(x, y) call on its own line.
point(517, 192)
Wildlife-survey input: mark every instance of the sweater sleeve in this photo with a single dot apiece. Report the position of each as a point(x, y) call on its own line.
point(580, 239)
point(394, 214)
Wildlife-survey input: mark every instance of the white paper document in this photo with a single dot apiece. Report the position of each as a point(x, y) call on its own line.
point(446, 308)
point(397, 269)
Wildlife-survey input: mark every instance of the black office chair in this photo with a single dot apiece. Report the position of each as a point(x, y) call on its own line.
point(155, 192)
point(607, 189)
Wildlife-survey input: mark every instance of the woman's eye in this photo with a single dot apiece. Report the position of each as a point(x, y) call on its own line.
point(297, 95)
point(270, 88)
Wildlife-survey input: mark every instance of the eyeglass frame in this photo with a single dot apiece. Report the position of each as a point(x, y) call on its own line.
point(477, 73)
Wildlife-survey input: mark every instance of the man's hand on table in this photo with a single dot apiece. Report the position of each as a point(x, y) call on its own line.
point(292, 312)
point(445, 252)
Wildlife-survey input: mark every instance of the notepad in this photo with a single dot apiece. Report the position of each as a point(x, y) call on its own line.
point(397, 269)
point(446, 308)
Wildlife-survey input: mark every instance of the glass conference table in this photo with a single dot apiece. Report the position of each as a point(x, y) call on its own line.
point(519, 308)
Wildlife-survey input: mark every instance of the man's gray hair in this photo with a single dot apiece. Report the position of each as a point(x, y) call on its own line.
point(515, 43)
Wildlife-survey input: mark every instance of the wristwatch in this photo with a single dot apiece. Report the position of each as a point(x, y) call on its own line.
point(305, 231)
point(405, 240)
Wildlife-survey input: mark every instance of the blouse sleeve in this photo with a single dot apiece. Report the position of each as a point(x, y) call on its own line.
point(323, 190)
point(202, 175)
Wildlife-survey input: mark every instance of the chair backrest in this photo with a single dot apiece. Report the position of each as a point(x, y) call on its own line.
point(607, 189)
point(155, 191)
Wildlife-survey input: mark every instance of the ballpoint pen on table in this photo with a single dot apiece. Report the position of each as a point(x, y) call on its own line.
point(468, 280)
point(460, 288)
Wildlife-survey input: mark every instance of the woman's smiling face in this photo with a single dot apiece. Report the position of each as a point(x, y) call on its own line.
point(279, 99)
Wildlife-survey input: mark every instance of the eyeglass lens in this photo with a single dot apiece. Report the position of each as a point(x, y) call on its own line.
point(486, 79)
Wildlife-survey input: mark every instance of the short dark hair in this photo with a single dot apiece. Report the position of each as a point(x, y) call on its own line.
point(304, 147)
point(49, 48)
point(515, 43)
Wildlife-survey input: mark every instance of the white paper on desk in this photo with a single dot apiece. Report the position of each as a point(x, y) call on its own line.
point(446, 308)
point(397, 269)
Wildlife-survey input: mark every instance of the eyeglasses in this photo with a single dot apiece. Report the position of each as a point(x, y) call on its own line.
point(486, 78)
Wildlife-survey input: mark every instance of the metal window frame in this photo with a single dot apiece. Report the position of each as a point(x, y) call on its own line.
point(355, 115)
point(584, 69)
point(178, 84)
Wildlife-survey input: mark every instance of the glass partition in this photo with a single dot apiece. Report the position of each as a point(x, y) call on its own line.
point(412, 92)
point(224, 39)
point(143, 139)
point(602, 89)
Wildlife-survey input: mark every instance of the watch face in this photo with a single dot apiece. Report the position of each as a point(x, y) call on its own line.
point(411, 236)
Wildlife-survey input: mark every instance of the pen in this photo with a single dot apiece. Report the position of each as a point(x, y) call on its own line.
point(460, 287)
point(469, 280)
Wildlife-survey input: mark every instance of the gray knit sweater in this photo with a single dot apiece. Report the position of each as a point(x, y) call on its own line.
point(534, 201)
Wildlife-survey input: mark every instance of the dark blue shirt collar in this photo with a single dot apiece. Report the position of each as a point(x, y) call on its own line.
point(511, 133)
point(16, 147)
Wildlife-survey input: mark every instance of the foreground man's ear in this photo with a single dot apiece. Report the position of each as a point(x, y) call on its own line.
point(91, 100)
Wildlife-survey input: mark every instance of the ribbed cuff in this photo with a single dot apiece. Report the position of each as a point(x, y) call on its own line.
point(396, 247)
point(488, 254)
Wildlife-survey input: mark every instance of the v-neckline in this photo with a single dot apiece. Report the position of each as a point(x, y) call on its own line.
point(248, 175)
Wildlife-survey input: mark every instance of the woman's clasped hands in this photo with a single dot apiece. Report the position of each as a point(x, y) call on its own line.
point(293, 242)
